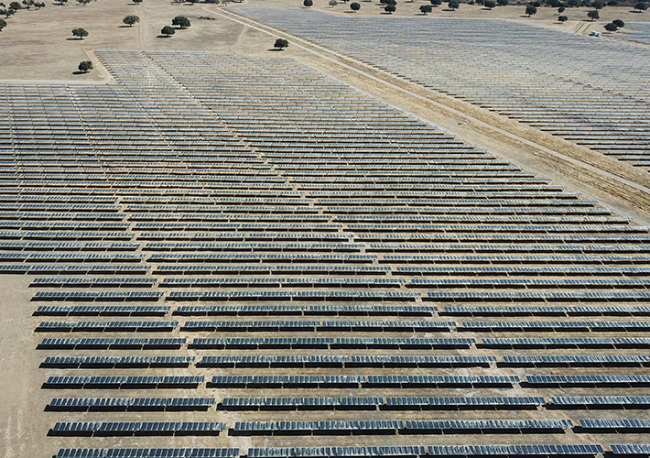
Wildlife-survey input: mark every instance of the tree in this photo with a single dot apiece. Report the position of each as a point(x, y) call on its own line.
point(85, 66)
point(62, 2)
point(436, 2)
point(15, 6)
point(611, 27)
point(308, 3)
point(618, 23)
point(562, 19)
point(530, 10)
point(181, 21)
point(84, 2)
point(424, 9)
point(168, 31)
point(641, 6)
point(7, 13)
point(355, 6)
point(593, 15)
point(137, 1)
point(612, 3)
point(490, 4)
point(561, 9)
point(3, 24)
point(333, 3)
point(453, 4)
point(390, 9)
point(280, 44)
point(502, 2)
point(130, 20)
point(598, 4)
point(79, 33)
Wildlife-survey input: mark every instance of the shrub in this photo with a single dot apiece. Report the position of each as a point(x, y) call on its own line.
point(79, 33)
point(181, 21)
point(280, 44)
point(130, 20)
point(85, 66)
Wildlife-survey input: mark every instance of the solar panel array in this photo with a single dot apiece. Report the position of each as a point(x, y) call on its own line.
point(566, 84)
point(215, 240)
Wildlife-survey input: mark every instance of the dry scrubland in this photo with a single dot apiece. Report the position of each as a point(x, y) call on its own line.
point(38, 44)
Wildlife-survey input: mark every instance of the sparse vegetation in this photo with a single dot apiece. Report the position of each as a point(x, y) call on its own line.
point(562, 19)
point(130, 20)
point(85, 66)
point(280, 44)
point(530, 10)
point(168, 31)
point(181, 21)
point(79, 33)
point(593, 15)
point(424, 9)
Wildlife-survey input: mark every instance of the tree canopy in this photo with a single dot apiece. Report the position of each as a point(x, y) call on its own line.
point(562, 19)
point(503, 2)
point(618, 23)
point(593, 15)
point(530, 10)
point(130, 20)
point(611, 27)
point(85, 66)
point(355, 6)
point(280, 44)
point(168, 30)
point(424, 9)
point(308, 3)
point(390, 9)
point(453, 4)
point(490, 4)
point(641, 6)
point(3, 24)
point(333, 3)
point(79, 33)
point(181, 21)
point(598, 4)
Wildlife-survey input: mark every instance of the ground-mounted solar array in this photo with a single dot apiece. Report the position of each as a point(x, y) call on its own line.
point(588, 91)
point(240, 256)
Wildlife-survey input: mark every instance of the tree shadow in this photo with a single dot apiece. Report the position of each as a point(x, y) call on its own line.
point(79, 72)
point(74, 39)
point(125, 27)
point(163, 36)
point(637, 12)
point(486, 9)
